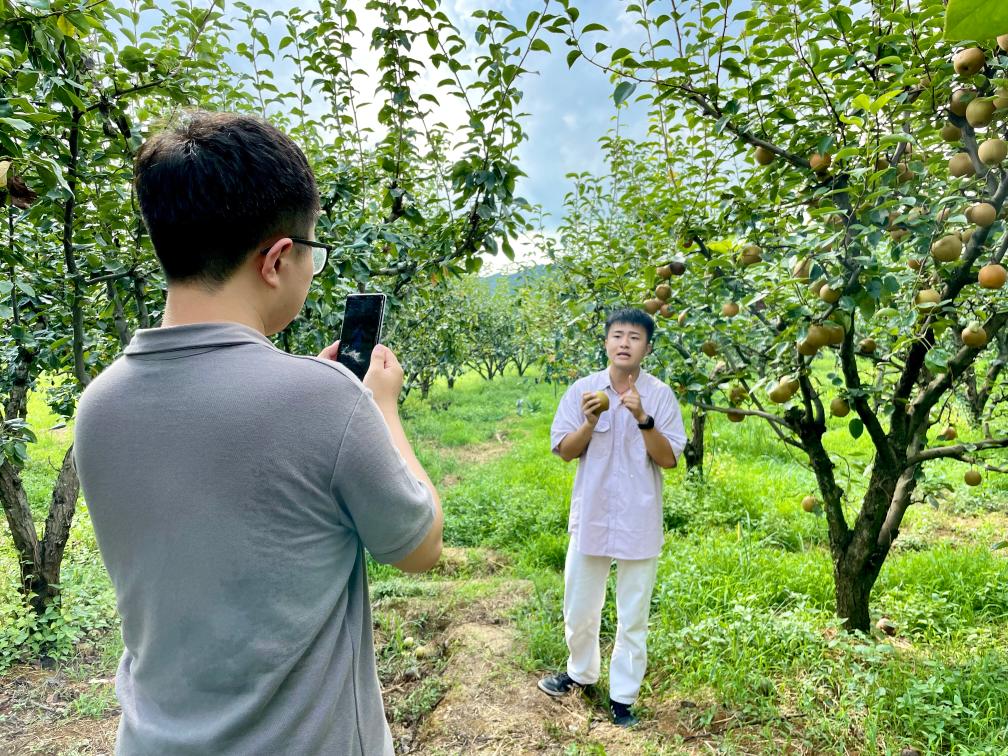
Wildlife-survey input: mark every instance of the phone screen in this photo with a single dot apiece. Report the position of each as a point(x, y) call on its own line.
point(362, 324)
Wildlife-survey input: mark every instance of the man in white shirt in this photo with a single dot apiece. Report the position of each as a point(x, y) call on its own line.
point(624, 426)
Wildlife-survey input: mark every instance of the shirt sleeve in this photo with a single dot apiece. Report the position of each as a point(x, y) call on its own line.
point(568, 418)
point(668, 421)
point(391, 510)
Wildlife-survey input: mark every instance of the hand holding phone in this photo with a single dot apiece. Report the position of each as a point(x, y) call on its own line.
point(385, 378)
point(363, 317)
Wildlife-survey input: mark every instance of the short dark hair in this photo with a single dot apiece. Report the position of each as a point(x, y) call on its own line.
point(217, 186)
point(631, 316)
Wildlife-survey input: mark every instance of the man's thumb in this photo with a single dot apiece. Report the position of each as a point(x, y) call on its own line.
point(378, 355)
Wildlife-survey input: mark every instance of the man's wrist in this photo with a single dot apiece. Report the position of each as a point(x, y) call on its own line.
point(388, 407)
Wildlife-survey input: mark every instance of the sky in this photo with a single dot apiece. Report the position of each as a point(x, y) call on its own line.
point(568, 109)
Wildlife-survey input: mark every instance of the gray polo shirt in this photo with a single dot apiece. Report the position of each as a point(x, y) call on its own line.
point(233, 489)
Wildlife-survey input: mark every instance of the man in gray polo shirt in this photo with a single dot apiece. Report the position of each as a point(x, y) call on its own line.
point(234, 487)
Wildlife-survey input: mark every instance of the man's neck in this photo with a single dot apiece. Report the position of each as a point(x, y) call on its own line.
point(185, 305)
point(619, 378)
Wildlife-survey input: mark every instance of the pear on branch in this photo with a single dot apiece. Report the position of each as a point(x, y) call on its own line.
point(992, 276)
point(959, 100)
point(974, 335)
point(993, 151)
point(820, 163)
point(951, 133)
point(1001, 99)
point(751, 254)
point(763, 155)
point(980, 112)
point(960, 165)
point(983, 214)
point(969, 61)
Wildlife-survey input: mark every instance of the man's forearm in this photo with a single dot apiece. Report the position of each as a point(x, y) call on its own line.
point(659, 448)
point(391, 415)
point(574, 444)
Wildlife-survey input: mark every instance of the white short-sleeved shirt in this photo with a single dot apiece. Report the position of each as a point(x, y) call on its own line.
point(616, 504)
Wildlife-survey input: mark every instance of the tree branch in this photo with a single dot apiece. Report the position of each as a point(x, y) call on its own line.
point(921, 406)
point(755, 413)
point(958, 451)
point(859, 401)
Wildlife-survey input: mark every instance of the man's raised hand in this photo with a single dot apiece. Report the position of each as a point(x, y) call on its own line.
point(631, 400)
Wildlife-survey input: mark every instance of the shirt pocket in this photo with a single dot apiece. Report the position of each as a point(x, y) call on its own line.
point(603, 425)
point(600, 445)
point(638, 449)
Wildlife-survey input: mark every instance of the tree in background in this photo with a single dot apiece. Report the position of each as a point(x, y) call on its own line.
point(854, 150)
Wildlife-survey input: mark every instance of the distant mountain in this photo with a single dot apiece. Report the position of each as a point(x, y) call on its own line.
point(516, 279)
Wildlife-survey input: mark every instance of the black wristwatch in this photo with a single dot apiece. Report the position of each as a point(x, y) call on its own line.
point(647, 424)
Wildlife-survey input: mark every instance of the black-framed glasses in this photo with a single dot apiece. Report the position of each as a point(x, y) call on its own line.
point(320, 252)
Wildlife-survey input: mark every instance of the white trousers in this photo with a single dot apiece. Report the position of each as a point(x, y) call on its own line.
point(584, 595)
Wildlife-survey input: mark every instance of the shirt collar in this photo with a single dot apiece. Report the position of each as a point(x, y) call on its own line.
point(602, 381)
point(193, 336)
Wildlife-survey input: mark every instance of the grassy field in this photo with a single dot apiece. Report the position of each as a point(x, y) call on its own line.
point(745, 655)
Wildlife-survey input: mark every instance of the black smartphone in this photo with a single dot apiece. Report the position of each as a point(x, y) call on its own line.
point(363, 318)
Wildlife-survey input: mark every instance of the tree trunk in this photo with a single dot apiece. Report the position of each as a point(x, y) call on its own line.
point(119, 316)
point(143, 317)
point(19, 518)
point(694, 449)
point(57, 532)
point(853, 589)
point(451, 382)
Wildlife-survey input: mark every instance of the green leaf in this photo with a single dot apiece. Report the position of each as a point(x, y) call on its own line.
point(17, 123)
point(862, 101)
point(133, 59)
point(975, 19)
point(623, 90)
point(572, 56)
point(540, 44)
point(593, 27)
point(856, 428)
point(884, 99)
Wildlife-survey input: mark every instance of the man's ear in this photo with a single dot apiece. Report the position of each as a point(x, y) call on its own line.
point(269, 264)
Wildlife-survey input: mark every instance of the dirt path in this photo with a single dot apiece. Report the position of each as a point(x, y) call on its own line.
point(489, 703)
point(494, 707)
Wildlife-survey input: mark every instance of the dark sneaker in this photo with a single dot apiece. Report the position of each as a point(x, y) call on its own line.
point(621, 714)
point(557, 685)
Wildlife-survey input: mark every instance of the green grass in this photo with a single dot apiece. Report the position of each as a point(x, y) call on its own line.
point(742, 614)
